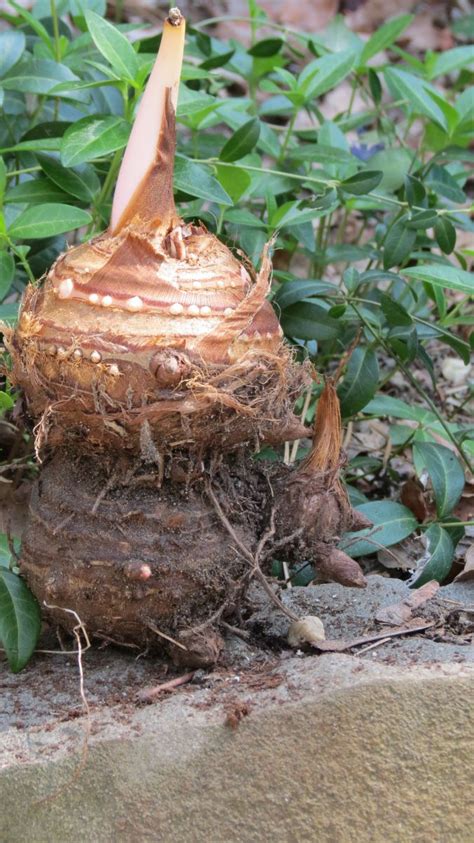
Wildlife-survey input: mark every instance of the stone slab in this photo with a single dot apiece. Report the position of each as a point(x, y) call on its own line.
point(376, 747)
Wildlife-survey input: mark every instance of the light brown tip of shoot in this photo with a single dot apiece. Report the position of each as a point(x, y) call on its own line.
point(175, 18)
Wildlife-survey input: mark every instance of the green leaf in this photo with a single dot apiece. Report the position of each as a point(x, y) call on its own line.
point(41, 221)
point(81, 182)
point(392, 523)
point(445, 471)
point(7, 273)
point(266, 47)
point(451, 60)
point(36, 191)
point(113, 45)
point(241, 216)
point(375, 86)
point(440, 549)
point(20, 620)
point(297, 289)
point(6, 403)
point(383, 37)
point(93, 137)
point(443, 183)
point(235, 182)
point(415, 90)
point(12, 45)
point(443, 276)
point(422, 219)
point(242, 141)
point(322, 74)
point(308, 321)
point(415, 191)
point(360, 381)
point(394, 313)
point(394, 164)
point(40, 76)
point(196, 180)
point(398, 244)
point(445, 234)
point(362, 182)
point(217, 60)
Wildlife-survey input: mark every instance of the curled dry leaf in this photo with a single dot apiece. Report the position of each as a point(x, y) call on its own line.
point(400, 613)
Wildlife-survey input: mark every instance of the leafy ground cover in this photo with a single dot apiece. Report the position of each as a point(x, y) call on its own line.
point(369, 202)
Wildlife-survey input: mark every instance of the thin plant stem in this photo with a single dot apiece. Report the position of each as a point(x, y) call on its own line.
point(418, 388)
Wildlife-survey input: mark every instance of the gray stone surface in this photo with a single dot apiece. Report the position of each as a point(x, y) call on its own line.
point(334, 747)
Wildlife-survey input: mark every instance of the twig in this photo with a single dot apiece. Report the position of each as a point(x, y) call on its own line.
point(165, 636)
point(373, 646)
point(149, 694)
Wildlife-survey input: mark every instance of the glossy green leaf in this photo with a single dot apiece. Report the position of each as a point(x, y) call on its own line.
point(93, 137)
point(325, 73)
point(384, 37)
point(242, 141)
point(40, 76)
point(444, 184)
point(41, 221)
point(6, 403)
point(308, 321)
point(20, 620)
point(394, 312)
point(218, 60)
point(12, 45)
point(445, 471)
point(452, 60)
point(362, 183)
point(235, 182)
point(197, 180)
point(37, 191)
point(297, 289)
point(81, 182)
point(415, 91)
point(422, 219)
point(360, 381)
point(444, 276)
point(392, 522)
point(415, 191)
point(398, 245)
point(440, 555)
point(266, 47)
point(7, 273)
point(113, 45)
point(445, 235)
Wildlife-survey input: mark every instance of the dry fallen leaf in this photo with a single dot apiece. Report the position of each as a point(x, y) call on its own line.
point(401, 612)
point(468, 573)
point(413, 495)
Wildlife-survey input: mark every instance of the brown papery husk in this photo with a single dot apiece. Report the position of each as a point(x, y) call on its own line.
point(213, 405)
point(312, 503)
point(132, 549)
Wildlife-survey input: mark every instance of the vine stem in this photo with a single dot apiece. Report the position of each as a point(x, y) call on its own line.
point(418, 388)
point(327, 183)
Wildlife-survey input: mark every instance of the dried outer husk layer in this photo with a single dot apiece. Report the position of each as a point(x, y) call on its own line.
point(133, 551)
point(128, 329)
